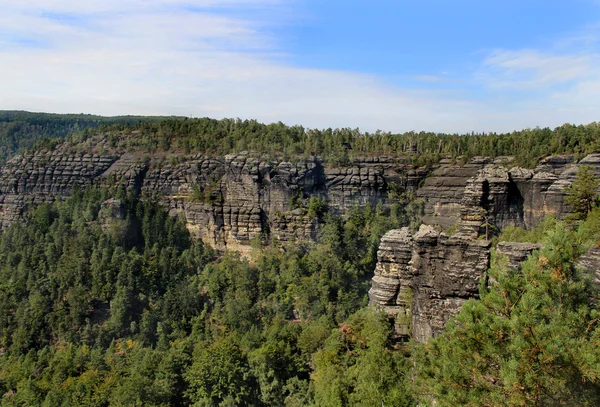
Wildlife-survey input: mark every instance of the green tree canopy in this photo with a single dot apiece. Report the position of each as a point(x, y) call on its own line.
point(582, 195)
point(532, 339)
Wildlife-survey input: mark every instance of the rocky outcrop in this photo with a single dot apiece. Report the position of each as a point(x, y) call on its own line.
point(422, 280)
point(516, 253)
point(227, 201)
point(512, 197)
point(590, 263)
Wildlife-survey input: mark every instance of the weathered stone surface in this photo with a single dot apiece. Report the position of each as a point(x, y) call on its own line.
point(516, 253)
point(421, 281)
point(227, 201)
point(590, 263)
point(392, 283)
point(517, 197)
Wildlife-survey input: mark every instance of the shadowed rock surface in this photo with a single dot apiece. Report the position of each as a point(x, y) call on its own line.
point(421, 279)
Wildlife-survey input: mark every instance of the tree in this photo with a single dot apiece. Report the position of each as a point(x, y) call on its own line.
point(532, 338)
point(357, 366)
point(583, 193)
point(220, 371)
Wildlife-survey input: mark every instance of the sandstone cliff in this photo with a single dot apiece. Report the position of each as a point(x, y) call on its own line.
point(226, 201)
point(422, 279)
point(511, 195)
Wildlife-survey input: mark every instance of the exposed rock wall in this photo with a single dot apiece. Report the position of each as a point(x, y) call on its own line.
point(226, 201)
point(422, 280)
point(516, 253)
point(515, 196)
point(229, 201)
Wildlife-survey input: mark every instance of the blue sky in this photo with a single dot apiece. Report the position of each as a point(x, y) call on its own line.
point(453, 66)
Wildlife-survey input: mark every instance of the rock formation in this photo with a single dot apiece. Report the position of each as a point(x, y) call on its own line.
point(516, 253)
point(227, 201)
point(515, 196)
point(422, 279)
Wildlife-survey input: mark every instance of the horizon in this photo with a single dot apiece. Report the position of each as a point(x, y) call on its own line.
point(416, 131)
point(396, 66)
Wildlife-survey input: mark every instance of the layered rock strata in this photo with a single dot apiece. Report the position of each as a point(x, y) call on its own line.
point(226, 201)
point(422, 279)
point(516, 253)
point(513, 196)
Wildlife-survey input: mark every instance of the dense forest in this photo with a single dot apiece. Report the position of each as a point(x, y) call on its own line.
point(339, 146)
point(101, 310)
point(21, 130)
point(107, 300)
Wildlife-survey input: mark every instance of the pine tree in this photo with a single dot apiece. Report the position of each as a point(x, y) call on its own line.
point(532, 338)
point(582, 195)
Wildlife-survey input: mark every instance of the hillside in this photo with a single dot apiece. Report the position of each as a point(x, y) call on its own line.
point(225, 262)
point(20, 130)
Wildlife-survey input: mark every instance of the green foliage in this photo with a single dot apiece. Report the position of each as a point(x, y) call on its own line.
point(532, 338)
point(99, 311)
point(535, 235)
point(317, 207)
point(22, 130)
point(582, 195)
point(358, 367)
point(219, 371)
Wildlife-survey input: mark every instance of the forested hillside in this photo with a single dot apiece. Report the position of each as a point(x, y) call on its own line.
point(21, 130)
point(107, 299)
point(114, 304)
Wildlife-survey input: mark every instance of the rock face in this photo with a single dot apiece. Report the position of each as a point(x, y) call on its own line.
point(422, 279)
point(516, 253)
point(515, 196)
point(227, 201)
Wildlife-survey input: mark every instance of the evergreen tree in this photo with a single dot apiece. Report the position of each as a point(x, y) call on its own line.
point(582, 195)
point(532, 338)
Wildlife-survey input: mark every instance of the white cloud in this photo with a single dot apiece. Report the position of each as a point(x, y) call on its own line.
point(158, 57)
point(533, 69)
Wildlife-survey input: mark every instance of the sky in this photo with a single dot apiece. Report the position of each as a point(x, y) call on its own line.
point(433, 65)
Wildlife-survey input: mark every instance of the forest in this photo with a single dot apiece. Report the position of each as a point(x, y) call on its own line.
point(107, 300)
point(20, 131)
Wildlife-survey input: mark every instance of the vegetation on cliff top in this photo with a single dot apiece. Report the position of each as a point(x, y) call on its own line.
point(20, 130)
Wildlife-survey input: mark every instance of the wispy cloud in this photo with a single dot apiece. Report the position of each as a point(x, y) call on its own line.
point(207, 57)
point(559, 84)
point(533, 69)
